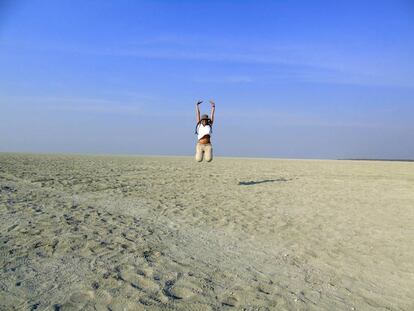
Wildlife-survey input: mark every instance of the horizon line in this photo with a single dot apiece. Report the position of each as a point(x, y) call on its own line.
point(191, 156)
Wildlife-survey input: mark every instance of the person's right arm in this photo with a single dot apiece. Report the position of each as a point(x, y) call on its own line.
point(198, 111)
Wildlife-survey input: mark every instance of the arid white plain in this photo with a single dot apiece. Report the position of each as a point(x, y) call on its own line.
point(167, 233)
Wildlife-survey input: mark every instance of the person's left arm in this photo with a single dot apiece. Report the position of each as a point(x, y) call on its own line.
point(213, 109)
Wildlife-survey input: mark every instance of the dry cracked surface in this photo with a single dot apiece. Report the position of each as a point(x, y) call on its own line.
point(158, 233)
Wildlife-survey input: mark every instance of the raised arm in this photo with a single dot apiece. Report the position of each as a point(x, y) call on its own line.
point(198, 111)
point(213, 109)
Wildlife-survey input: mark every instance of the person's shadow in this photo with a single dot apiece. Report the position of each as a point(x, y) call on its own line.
point(252, 182)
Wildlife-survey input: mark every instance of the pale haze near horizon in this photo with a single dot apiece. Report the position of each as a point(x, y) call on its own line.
point(291, 79)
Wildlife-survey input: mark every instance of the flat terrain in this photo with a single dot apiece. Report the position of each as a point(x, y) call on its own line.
point(164, 233)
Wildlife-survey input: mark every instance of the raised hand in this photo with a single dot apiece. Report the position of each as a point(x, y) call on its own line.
point(199, 102)
point(213, 104)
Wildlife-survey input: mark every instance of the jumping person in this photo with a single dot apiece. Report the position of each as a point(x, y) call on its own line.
point(203, 131)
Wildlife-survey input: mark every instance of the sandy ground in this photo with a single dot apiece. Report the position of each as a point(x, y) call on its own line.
point(163, 233)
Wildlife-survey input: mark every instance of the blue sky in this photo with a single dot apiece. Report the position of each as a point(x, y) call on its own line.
point(296, 79)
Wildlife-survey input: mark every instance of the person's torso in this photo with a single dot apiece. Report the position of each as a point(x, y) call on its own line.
point(204, 133)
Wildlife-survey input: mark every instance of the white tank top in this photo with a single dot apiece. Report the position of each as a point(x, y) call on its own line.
point(203, 130)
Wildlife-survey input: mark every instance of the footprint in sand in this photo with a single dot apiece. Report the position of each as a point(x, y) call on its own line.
point(197, 307)
point(265, 288)
point(183, 289)
point(179, 292)
point(103, 296)
point(145, 271)
point(76, 301)
point(145, 284)
point(230, 301)
point(68, 306)
point(81, 296)
point(122, 304)
point(129, 274)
